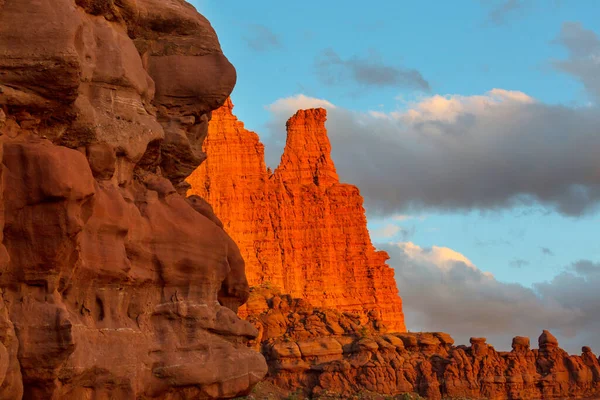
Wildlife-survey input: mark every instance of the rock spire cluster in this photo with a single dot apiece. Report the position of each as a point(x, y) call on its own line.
point(298, 228)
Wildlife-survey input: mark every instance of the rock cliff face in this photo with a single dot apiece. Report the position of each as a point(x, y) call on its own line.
point(298, 228)
point(113, 285)
point(327, 354)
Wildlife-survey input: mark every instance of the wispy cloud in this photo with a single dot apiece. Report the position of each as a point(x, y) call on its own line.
point(401, 217)
point(261, 38)
point(503, 10)
point(583, 62)
point(387, 231)
point(391, 231)
point(518, 263)
point(332, 69)
point(546, 251)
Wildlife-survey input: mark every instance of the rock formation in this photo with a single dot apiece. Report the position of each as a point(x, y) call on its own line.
point(298, 228)
point(114, 285)
point(329, 354)
point(316, 276)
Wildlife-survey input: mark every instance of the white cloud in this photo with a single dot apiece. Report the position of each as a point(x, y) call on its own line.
point(386, 232)
point(449, 108)
point(442, 257)
point(289, 105)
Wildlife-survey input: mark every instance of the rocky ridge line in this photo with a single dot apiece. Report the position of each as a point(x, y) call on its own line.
point(327, 354)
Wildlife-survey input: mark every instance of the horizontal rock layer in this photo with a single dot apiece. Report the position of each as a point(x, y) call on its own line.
point(298, 228)
point(327, 354)
point(113, 285)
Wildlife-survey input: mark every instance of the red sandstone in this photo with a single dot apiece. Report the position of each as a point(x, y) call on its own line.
point(325, 352)
point(298, 228)
point(114, 286)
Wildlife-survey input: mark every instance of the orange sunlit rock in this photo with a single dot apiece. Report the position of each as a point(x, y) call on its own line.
point(298, 228)
point(319, 351)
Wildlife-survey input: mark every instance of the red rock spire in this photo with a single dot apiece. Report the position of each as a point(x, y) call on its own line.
point(307, 155)
point(298, 229)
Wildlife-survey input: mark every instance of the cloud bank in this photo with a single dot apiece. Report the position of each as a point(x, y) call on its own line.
point(490, 151)
point(442, 290)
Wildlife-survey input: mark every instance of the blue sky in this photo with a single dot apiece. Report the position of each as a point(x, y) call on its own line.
point(456, 49)
point(456, 45)
point(523, 245)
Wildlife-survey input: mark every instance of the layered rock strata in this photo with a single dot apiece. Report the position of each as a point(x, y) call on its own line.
point(113, 285)
point(328, 354)
point(298, 228)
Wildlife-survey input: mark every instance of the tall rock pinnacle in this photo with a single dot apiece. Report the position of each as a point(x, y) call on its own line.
point(307, 155)
point(298, 229)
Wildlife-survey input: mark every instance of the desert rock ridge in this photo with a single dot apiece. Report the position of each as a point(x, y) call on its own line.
point(289, 225)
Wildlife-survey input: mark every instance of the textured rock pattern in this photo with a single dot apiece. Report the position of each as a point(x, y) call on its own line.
point(325, 352)
point(114, 286)
point(298, 228)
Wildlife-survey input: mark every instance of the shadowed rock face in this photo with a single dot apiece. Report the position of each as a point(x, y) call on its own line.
point(113, 285)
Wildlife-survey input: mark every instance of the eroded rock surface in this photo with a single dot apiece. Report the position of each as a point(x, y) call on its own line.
point(329, 354)
point(298, 228)
point(114, 286)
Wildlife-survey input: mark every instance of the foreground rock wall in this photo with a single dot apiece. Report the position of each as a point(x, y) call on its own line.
point(329, 354)
point(298, 228)
point(113, 285)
